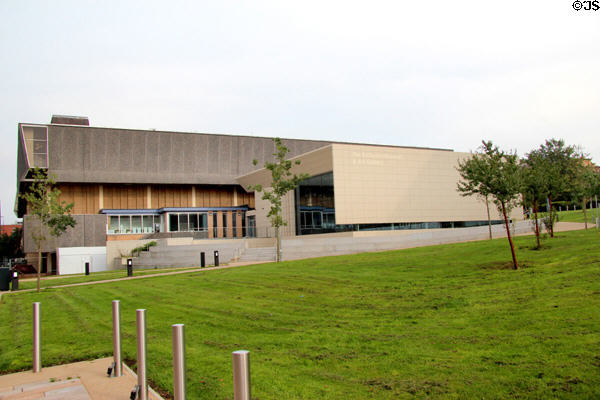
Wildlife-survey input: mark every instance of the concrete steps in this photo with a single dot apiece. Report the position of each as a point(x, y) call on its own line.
point(187, 255)
point(258, 254)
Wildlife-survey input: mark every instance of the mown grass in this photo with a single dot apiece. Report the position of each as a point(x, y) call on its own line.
point(447, 322)
point(31, 283)
point(577, 216)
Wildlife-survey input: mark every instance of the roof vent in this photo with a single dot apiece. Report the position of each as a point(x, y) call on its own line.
point(70, 120)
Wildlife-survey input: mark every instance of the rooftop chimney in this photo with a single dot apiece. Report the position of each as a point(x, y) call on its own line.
point(70, 120)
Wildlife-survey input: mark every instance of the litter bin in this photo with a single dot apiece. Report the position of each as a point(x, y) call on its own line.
point(5, 278)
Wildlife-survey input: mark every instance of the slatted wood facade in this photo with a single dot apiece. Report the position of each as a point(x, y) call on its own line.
point(90, 198)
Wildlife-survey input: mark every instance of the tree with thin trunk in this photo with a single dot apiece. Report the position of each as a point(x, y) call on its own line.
point(282, 182)
point(497, 174)
point(585, 187)
point(561, 166)
point(51, 214)
point(535, 187)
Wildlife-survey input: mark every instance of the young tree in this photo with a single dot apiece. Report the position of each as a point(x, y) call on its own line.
point(497, 174)
point(585, 187)
point(535, 187)
point(52, 215)
point(282, 182)
point(561, 164)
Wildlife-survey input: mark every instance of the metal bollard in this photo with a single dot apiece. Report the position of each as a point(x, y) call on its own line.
point(87, 268)
point(241, 375)
point(37, 337)
point(178, 361)
point(202, 260)
point(141, 354)
point(116, 313)
point(216, 255)
point(15, 281)
point(129, 267)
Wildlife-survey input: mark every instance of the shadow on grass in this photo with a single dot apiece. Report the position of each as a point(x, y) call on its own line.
point(498, 265)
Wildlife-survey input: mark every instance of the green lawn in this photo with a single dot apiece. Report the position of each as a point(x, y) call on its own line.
point(450, 321)
point(577, 216)
point(92, 277)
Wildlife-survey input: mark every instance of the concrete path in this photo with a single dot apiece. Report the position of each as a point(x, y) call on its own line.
point(85, 380)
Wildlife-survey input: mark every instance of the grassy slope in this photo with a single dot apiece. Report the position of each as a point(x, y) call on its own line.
point(577, 216)
point(92, 277)
point(439, 322)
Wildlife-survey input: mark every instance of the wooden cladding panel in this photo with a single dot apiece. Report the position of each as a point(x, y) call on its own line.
point(171, 196)
point(85, 197)
point(124, 196)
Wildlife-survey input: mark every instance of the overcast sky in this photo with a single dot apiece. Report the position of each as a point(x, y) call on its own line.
point(412, 73)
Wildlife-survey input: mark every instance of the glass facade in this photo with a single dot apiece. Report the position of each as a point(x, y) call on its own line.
point(124, 224)
point(315, 212)
point(225, 222)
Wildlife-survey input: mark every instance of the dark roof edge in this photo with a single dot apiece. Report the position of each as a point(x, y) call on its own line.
point(326, 142)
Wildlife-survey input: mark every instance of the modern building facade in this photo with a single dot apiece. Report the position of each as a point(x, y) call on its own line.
point(134, 184)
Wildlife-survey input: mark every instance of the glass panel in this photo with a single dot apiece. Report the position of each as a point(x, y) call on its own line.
point(148, 223)
point(124, 224)
point(308, 219)
point(113, 224)
point(224, 224)
point(183, 223)
point(203, 222)
point(173, 223)
point(215, 229)
point(136, 224)
point(317, 219)
point(234, 223)
point(194, 222)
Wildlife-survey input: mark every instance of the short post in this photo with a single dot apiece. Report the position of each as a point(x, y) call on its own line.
point(241, 375)
point(37, 337)
point(178, 361)
point(202, 260)
point(216, 254)
point(129, 267)
point(116, 313)
point(87, 268)
point(15, 281)
point(141, 354)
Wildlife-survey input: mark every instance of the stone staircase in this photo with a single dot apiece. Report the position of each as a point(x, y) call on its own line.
point(166, 255)
point(258, 254)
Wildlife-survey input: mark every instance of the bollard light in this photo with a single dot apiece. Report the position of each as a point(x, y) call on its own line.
point(241, 375)
point(15, 281)
point(216, 255)
point(202, 260)
point(37, 337)
point(141, 354)
point(87, 268)
point(118, 362)
point(129, 267)
point(179, 361)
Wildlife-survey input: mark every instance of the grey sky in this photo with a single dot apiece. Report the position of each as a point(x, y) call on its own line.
point(432, 74)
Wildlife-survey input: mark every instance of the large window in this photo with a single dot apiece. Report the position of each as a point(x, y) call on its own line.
point(36, 145)
point(188, 222)
point(125, 224)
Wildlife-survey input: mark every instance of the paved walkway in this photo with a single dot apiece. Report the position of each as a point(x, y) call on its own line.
point(85, 380)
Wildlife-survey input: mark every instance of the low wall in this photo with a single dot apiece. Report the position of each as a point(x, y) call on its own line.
point(364, 241)
point(71, 260)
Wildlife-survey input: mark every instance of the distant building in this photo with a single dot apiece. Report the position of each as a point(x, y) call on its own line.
point(9, 229)
point(134, 184)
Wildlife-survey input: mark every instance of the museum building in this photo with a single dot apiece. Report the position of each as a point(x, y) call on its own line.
point(139, 184)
